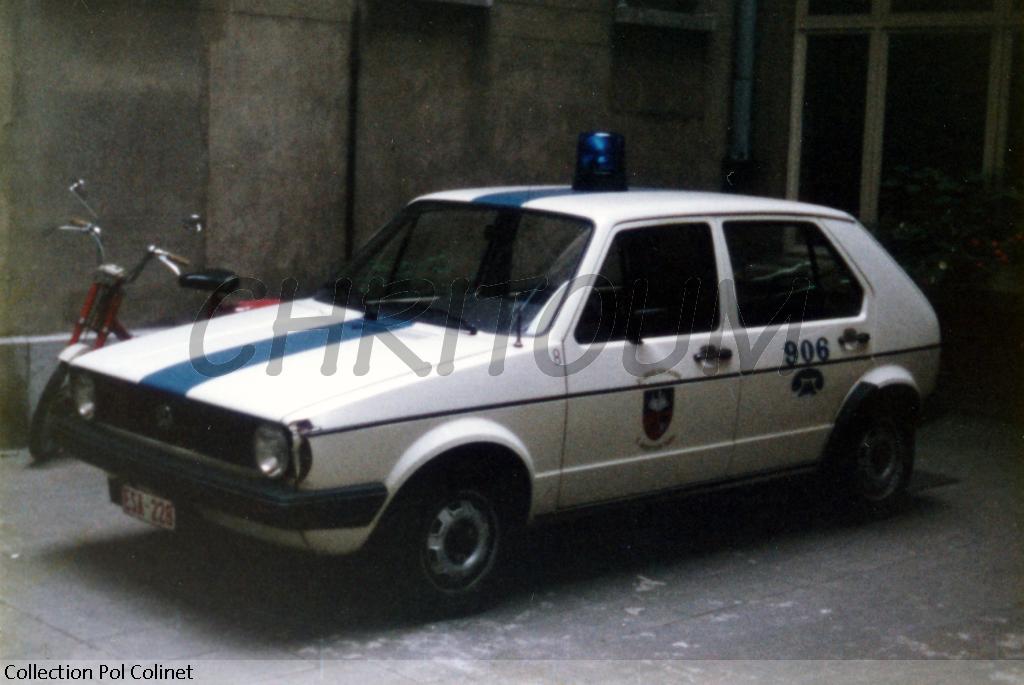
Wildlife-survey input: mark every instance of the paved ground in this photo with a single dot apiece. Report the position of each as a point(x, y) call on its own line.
point(758, 574)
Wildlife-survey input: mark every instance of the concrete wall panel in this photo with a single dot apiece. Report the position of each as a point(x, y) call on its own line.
point(109, 91)
point(239, 109)
point(278, 90)
point(453, 96)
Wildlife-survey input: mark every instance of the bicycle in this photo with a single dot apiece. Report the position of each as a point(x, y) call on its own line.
point(99, 311)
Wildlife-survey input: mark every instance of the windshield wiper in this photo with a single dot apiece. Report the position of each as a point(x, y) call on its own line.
point(432, 307)
point(465, 325)
point(328, 294)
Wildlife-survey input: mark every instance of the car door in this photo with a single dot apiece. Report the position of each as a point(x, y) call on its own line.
point(803, 326)
point(654, 405)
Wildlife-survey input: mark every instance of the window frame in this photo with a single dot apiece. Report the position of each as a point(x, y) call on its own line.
point(603, 251)
point(544, 323)
point(1003, 23)
point(867, 292)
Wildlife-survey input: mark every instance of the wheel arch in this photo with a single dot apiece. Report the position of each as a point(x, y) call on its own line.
point(475, 447)
point(888, 388)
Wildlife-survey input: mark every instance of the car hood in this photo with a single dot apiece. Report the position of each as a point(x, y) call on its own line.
point(239, 363)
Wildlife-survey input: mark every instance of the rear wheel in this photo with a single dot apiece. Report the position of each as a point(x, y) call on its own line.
point(881, 462)
point(878, 466)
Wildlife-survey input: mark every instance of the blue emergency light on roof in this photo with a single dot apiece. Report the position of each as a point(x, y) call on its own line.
point(600, 162)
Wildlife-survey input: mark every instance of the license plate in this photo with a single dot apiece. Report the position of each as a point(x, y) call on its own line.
point(146, 507)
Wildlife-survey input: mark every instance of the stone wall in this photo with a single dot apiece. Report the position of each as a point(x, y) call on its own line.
point(235, 109)
point(113, 94)
point(276, 137)
point(232, 109)
point(454, 96)
point(239, 109)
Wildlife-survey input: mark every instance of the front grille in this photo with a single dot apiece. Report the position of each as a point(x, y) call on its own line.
point(209, 430)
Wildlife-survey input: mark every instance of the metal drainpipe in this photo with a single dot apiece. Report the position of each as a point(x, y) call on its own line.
point(737, 167)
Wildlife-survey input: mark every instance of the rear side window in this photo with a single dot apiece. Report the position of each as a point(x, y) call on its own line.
point(659, 280)
point(787, 271)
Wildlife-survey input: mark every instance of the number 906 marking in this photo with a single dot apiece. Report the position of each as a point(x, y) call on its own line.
point(806, 351)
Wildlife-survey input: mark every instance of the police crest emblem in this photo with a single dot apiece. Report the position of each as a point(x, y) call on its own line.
point(658, 406)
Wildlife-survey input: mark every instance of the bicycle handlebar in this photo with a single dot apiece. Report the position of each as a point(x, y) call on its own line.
point(172, 261)
point(170, 256)
point(92, 230)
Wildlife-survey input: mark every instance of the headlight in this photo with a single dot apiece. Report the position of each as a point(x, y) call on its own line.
point(83, 391)
point(271, 450)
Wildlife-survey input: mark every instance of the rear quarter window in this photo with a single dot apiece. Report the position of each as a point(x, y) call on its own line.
point(788, 271)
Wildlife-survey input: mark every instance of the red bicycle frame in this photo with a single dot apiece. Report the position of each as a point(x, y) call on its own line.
point(99, 311)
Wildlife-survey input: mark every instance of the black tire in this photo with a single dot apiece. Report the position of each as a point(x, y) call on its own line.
point(442, 546)
point(876, 469)
point(42, 445)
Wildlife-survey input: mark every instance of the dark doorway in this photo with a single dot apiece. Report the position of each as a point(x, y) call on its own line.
point(936, 101)
point(835, 91)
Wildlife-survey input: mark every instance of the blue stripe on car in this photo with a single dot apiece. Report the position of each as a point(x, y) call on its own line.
point(182, 377)
point(517, 198)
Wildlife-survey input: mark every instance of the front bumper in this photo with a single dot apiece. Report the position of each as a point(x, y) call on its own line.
point(164, 470)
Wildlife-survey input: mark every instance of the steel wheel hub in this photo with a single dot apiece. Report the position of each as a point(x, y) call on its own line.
point(879, 461)
point(459, 542)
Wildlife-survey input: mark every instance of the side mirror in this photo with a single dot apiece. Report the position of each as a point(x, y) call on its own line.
point(193, 223)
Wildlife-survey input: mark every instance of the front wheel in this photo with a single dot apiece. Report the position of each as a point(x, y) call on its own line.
point(443, 547)
point(458, 542)
point(42, 444)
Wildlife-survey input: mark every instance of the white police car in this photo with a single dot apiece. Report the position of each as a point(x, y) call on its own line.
point(496, 355)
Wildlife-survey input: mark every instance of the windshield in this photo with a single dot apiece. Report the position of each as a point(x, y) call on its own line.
point(472, 266)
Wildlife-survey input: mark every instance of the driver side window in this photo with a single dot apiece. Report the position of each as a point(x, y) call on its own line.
point(655, 281)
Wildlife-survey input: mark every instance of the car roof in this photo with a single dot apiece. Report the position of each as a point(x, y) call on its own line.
point(616, 207)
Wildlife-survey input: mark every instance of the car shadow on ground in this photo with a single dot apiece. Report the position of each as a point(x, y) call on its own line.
point(248, 590)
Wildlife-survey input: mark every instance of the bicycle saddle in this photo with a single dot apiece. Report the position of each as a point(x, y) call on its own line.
point(209, 279)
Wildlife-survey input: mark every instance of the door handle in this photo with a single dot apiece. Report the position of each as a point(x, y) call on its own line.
point(852, 337)
point(710, 353)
